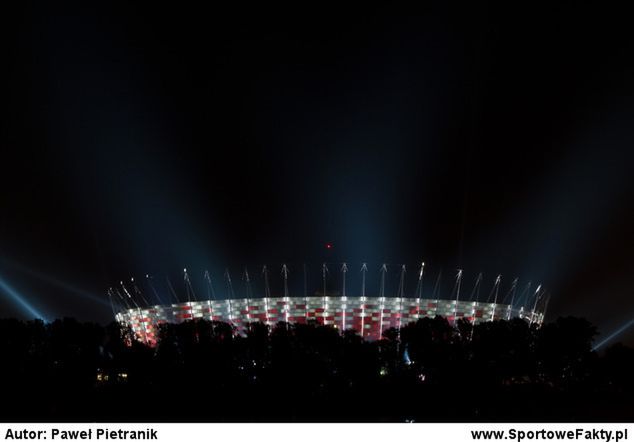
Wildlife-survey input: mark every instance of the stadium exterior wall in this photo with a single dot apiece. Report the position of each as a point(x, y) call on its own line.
point(369, 316)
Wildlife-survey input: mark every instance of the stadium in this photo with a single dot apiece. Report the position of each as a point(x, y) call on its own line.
point(369, 314)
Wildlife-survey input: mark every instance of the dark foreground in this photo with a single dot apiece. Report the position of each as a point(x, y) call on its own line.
point(500, 371)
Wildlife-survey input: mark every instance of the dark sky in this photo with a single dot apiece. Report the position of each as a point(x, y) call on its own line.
point(144, 138)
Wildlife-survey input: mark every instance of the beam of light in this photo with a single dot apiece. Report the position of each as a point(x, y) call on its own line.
point(70, 288)
point(20, 301)
point(52, 281)
point(613, 335)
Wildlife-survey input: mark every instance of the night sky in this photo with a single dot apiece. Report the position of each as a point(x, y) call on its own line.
point(143, 138)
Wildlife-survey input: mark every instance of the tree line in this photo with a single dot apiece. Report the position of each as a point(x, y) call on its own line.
point(429, 370)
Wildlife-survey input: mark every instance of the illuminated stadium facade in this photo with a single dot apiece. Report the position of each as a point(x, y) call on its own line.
point(369, 316)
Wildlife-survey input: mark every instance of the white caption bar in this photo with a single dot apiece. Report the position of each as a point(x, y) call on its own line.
point(317, 432)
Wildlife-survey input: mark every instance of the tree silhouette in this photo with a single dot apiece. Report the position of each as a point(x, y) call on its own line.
point(203, 371)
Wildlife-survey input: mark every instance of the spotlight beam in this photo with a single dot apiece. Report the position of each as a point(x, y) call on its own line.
point(20, 301)
point(620, 330)
point(55, 282)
